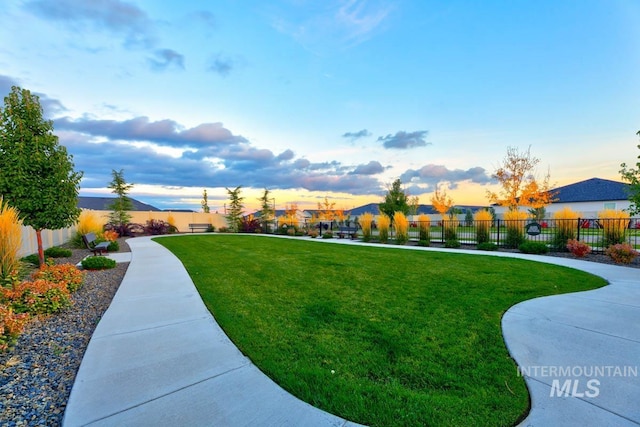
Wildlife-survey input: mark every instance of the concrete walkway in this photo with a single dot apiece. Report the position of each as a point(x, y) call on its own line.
point(158, 357)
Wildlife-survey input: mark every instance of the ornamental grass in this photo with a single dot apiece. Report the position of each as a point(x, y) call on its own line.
point(566, 222)
point(10, 242)
point(383, 227)
point(366, 220)
point(401, 224)
point(483, 220)
point(424, 227)
point(88, 222)
point(515, 221)
point(614, 226)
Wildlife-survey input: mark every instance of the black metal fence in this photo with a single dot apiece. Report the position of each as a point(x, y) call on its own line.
point(597, 233)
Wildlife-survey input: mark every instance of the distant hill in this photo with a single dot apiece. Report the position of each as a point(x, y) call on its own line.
point(102, 204)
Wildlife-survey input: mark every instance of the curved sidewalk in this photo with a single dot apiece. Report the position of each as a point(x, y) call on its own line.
point(158, 357)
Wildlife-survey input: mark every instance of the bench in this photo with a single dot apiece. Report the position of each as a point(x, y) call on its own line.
point(352, 232)
point(97, 248)
point(203, 227)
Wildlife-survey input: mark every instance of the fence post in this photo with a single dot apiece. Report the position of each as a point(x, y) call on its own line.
point(498, 228)
point(578, 233)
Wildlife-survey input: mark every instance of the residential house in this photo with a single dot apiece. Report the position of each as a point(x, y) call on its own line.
point(588, 197)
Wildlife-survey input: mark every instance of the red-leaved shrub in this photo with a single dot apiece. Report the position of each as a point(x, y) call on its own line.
point(622, 253)
point(578, 248)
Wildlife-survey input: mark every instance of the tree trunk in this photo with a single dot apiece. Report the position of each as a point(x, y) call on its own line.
point(40, 250)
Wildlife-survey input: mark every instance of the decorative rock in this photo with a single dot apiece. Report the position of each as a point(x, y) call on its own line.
point(37, 375)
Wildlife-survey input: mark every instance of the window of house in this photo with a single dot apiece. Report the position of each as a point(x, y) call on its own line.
point(610, 205)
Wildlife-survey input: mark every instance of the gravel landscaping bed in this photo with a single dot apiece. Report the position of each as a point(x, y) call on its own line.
point(37, 375)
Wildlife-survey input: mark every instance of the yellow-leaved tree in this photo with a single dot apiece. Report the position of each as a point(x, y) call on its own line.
point(519, 184)
point(444, 205)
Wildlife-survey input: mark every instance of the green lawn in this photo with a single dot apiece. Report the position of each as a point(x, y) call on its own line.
point(380, 336)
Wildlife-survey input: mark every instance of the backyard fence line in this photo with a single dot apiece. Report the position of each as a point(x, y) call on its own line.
point(598, 233)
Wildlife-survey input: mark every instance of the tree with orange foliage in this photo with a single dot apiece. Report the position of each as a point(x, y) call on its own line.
point(441, 201)
point(326, 210)
point(520, 187)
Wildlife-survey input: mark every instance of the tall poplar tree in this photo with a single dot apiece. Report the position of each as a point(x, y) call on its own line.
point(37, 174)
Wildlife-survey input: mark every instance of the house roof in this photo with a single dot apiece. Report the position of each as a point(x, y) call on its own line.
point(592, 190)
point(103, 203)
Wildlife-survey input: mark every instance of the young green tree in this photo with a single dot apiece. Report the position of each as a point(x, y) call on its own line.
point(234, 212)
point(267, 210)
point(205, 202)
point(414, 204)
point(396, 200)
point(37, 174)
point(468, 217)
point(121, 206)
point(633, 177)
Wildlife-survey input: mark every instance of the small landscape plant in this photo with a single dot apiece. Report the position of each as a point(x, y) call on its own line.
point(537, 248)
point(614, 226)
point(156, 227)
point(483, 219)
point(383, 228)
point(450, 228)
point(365, 222)
point(250, 224)
point(33, 259)
point(88, 222)
point(566, 224)
point(424, 242)
point(10, 240)
point(424, 227)
point(452, 243)
point(313, 233)
point(66, 273)
point(11, 326)
point(622, 253)
point(578, 248)
point(327, 235)
point(401, 224)
point(514, 221)
point(57, 252)
point(487, 246)
point(110, 235)
point(98, 263)
point(114, 246)
point(39, 296)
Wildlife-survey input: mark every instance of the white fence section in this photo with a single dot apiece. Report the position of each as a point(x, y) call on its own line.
point(49, 238)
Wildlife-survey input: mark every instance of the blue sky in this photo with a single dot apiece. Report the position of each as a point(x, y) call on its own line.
point(336, 98)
